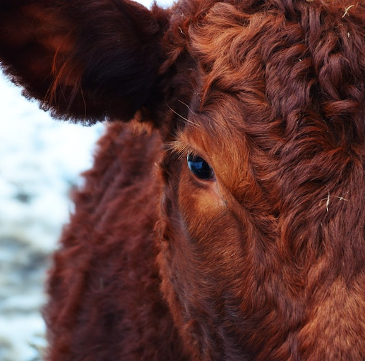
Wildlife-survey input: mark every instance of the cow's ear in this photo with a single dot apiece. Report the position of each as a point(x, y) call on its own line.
point(82, 59)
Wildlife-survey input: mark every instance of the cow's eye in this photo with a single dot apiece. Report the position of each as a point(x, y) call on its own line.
point(200, 167)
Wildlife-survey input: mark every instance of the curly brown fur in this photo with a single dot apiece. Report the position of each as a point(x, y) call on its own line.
point(109, 289)
point(265, 260)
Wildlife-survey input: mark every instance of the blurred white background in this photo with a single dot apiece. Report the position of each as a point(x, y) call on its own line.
point(40, 160)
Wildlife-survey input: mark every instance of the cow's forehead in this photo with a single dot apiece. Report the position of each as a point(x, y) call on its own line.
point(304, 69)
point(292, 62)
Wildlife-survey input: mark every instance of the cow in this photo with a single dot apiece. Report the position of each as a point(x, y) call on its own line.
point(224, 215)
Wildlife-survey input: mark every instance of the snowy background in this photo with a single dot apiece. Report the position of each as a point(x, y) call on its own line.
point(40, 160)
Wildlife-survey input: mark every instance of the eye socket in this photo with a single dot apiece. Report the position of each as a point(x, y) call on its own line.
point(200, 167)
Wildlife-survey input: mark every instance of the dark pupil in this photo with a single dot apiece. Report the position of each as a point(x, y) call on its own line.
point(199, 167)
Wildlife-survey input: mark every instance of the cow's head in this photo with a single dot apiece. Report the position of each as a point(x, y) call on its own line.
point(261, 107)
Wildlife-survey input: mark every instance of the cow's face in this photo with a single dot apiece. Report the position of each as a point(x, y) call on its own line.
point(263, 251)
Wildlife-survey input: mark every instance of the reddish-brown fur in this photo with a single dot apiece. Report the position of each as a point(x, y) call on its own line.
point(265, 261)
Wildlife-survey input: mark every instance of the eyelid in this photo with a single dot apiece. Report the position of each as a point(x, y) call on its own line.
point(183, 149)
